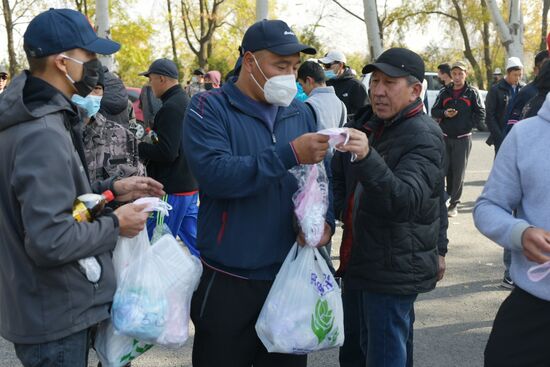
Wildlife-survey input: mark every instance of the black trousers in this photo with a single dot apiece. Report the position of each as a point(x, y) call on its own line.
point(457, 152)
point(521, 333)
point(224, 310)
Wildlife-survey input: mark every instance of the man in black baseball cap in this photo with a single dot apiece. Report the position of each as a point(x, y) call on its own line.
point(50, 303)
point(240, 141)
point(166, 159)
point(397, 207)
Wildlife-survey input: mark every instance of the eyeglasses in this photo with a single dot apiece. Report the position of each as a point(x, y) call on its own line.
point(4, 77)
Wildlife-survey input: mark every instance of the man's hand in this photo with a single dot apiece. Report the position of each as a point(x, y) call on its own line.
point(135, 187)
point(441, 268)
point(536, 244)
point(327, 234)
point(310, 148)
point(358, 143)
point(131, 219)
point(450, 113)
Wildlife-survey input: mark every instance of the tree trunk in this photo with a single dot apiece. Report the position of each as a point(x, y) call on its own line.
point(104, 30)
point(373, 32)
point(173, 39)
point(14, 67)
point(262, 9)
point(486, 46)
point(544, 27)
point(467, 48)
point(511, 35)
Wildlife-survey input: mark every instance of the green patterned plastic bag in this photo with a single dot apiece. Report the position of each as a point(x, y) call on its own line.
point(303, 310)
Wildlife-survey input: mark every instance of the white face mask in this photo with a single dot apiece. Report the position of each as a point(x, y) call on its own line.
point(279, 90)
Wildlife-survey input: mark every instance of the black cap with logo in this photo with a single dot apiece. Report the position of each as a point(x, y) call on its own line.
point(275, 36)
point(398, 62)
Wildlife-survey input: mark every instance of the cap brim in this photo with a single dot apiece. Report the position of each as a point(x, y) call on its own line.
point(326, 60)
point(145, 73)
point(387, 69)
point(292, 48)
point(102, 46)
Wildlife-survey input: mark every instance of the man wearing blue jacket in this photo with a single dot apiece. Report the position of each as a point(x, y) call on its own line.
point(240, 141)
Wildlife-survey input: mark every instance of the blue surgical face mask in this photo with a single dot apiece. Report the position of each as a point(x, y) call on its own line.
point(329, 74)
point(89, 103)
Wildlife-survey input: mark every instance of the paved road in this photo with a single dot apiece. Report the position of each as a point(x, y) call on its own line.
point(452, 322)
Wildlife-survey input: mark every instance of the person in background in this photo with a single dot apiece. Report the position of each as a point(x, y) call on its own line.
point(111, 150)
point(444, 74)
point(527, 93)
point(48, 306)
point(458, 109)
point(212, 80)
point(542, 85)
point(497, 76)
point(500, 100)
point(166, 159)
point(3, 79)
point(114, 104)
point(197, 83)
point(329, 110)
point(339, 76)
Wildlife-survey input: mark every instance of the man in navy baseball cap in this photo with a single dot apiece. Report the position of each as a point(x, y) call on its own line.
point(63, 42)
point(56, 302)
point(240, 141)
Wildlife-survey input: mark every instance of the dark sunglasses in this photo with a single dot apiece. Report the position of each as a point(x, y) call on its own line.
point(4, 77)
point(327, 66)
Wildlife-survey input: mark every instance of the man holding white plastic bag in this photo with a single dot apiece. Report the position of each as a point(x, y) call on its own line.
point(240, 141)
point(396, 208)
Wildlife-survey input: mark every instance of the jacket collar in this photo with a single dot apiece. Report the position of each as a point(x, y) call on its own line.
point(170, 92)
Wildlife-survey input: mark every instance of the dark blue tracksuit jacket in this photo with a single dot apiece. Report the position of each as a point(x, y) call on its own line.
point(245, 224)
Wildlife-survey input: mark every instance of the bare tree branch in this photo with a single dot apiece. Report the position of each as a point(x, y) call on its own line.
point(348, 11)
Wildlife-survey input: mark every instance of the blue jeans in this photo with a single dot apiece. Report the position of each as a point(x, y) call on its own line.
point(71, 351)
point(182, 220)
point(387, 329)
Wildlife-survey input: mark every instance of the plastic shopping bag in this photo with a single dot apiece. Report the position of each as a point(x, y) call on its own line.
point(114, 349)
point(311, 200)
point(153, 300)
point(303, 310)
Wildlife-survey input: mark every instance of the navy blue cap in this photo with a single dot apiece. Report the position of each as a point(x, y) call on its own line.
point(275, 36)
point(58, 30)
point(163, 67)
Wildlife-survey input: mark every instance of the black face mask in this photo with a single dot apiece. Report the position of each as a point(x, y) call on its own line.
point(208, 86)
point(90, 76)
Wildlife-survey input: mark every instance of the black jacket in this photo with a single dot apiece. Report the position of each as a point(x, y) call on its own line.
point(350, 91)
point(166, 161)
point(471, 111)
point(497, 107)
point(398, 206)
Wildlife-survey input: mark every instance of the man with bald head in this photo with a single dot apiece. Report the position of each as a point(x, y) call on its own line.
point(240, 141)
point(165, 158)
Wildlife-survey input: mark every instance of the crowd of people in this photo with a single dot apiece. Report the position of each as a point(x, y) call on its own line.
point(67, 128)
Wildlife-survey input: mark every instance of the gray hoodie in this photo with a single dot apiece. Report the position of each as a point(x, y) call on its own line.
point(43, 294)
point(519, 181)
